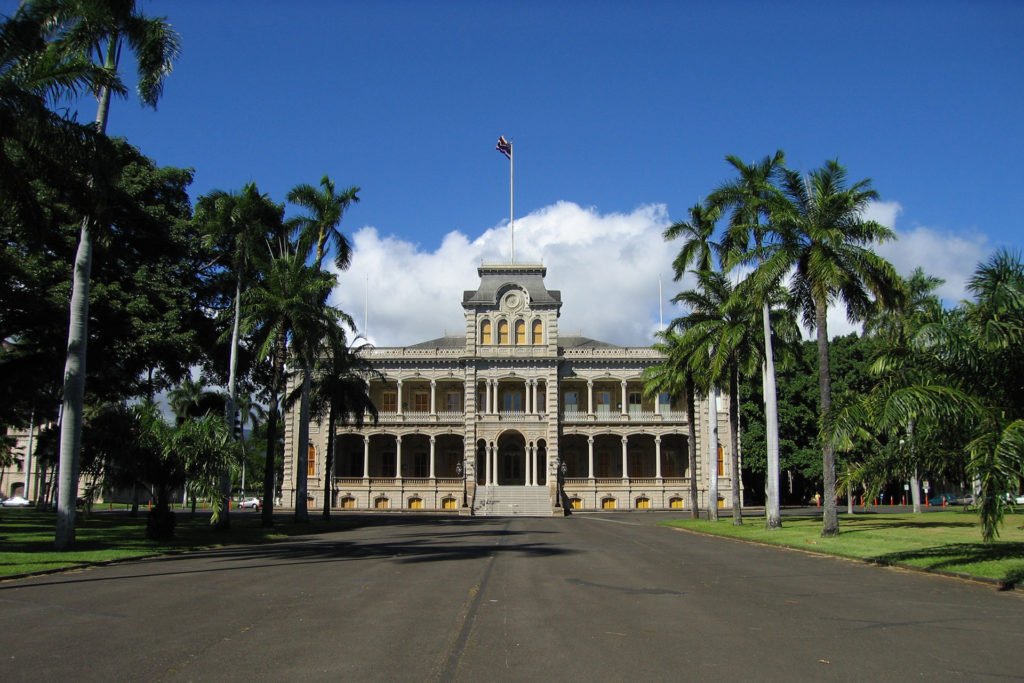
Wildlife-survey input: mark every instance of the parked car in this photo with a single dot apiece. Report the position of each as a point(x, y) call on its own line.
point(1016, 499)
point(947, 498)
point(254, 503)
point(967, 499)
point(16, 501)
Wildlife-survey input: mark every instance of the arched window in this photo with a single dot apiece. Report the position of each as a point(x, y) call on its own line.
point(503, 332)
point(485, 332)
point(538, 332)
point(520, 333)
point(311, 462)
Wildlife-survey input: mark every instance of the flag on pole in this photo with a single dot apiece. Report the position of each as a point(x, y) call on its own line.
point(505, 147)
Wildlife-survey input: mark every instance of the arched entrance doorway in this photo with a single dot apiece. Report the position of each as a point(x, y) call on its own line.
point(511, 459)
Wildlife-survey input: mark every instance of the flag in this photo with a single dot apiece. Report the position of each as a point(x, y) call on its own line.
point(505, 147)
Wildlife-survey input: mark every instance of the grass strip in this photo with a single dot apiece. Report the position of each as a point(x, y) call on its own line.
point(948, 541)
point(26, 537)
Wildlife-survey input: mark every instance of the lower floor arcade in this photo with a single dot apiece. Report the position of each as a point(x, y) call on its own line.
point(596, 469)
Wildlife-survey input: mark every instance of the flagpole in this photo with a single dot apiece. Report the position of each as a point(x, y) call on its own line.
point(511, 205)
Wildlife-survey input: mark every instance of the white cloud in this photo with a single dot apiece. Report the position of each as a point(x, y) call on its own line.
point(606, 267)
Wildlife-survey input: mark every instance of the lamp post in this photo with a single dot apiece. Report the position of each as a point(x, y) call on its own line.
point(460, 471)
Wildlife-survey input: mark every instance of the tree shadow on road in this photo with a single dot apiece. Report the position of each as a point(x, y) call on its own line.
point(446, 542)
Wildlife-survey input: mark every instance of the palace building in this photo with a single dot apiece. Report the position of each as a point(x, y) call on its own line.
point(512, 417)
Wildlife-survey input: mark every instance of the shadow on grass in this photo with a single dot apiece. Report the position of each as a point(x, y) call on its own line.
point(954, 556)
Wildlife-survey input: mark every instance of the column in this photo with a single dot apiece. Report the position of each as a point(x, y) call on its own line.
point(625, 474)
point(625, 399)
point(527, 398)
point(590, 397)
point(366, 457)
point(398, 457)
point(531, 460)
point(657, 457)
point(433, 393)
point(399, 397)
point(590, 457)
point(497, 396)
point(536, 383)
point(493, 455)
point(487, 397)
point(487, 463)
point(432, 458)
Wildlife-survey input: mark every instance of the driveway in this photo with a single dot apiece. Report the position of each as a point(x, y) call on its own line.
point(421, 597)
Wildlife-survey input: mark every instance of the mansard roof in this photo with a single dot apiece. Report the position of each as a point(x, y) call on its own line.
point(495, 279)
point(446, 342)
point(576, 342)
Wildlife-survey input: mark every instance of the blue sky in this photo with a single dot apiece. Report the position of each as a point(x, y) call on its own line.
point(621, 115)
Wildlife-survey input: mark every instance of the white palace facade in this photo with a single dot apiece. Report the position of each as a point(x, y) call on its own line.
point(510, 418)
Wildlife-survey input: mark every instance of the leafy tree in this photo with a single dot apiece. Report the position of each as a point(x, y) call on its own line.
point(824, 236)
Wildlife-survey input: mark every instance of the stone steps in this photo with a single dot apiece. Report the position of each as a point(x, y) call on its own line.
point(512, 501)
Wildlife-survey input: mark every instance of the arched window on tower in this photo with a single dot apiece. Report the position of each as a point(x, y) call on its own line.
point(538, 332)
point(485, 332)
point(502, 332)
point(520, 333)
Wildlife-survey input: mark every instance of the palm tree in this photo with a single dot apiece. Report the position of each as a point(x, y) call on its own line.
point(675, 376)
point(896, 363)
point(288, 306)
point(99, 29)
point(315, 229)
point(35, 142)
point(340, 392)
point(239, 223)
point(822, 233)
point(700, 252)
point(721, 325)
point(748, 198)
point(319, 228)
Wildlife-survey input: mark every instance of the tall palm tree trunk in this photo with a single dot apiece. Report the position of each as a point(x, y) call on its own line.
point(712, 456)
point(691, 446)
point(734, 441)
point(302, 457)
point(329, 466)
point(277, 360)
point(915, 481)
point(231, 405)
point(830, 516)
point(74, 365)
point(772, 509)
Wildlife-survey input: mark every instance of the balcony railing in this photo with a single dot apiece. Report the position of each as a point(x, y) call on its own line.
point(444, 417)
point(576, 416)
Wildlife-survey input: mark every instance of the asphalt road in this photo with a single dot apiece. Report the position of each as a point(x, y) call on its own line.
point(425, 598)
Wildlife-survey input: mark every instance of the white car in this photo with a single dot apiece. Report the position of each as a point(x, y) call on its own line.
point(16, 501)
point(254, 503)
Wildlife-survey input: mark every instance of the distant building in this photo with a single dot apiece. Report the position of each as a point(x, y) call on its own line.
point(537, 421)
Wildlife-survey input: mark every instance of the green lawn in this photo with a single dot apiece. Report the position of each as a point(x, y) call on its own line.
point(26, 537)
point(947, 541)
